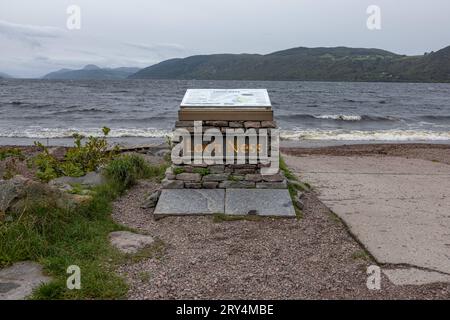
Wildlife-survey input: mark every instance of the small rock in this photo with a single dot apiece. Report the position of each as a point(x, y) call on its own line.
point(91, 179)
point(235, 124)
point(10, 190)
point(252, 124)
point(17, 193)
point(216, 177)
point(169, 174)
point(237, 184)
point(217, 168)
point(298, 201)
point(129, 242)
point(272, 185)
point(273, 177)
point(65, 187)
point(180, 124)
point(163, 153)
point(244, 171)
point(268, 124)
point(217, 123)
point(193, 185)
point(210, 184)
point(243, 166)
point(151, 200)
point(255, 177)
point(172, 184)
point(186, 176)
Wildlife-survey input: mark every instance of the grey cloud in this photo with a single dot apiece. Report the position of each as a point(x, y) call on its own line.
point(32, 51)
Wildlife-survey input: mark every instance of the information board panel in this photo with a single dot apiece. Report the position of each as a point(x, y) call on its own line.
point(230, 98)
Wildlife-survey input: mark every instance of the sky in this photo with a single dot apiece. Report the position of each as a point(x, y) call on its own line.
point(34, 38)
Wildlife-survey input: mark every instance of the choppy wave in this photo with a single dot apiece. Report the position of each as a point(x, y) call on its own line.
point(295, 135)
point(54, 133)
point(79, 111)
point(339, 117)
point(435, 117)
point(359, 135)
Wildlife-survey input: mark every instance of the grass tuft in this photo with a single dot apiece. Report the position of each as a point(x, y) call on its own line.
point(201, 171)
point(178, 170)
point(124, 171)
point(11, 152)
point(361, 255)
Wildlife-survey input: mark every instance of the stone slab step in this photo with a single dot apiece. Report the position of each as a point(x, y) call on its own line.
point(262, 202)
point(190, 202)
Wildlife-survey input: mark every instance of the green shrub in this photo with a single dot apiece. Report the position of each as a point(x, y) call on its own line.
point(78, 161)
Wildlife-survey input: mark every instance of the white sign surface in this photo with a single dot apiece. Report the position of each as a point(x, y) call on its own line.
point(226, 98)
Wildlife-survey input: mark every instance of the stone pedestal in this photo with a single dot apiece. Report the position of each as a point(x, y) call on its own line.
point(225, 158)
point(245, 112)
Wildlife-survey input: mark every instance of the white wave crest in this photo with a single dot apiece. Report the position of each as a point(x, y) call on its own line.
point(296, 134)
point(358, 135)
point(339, 117)
point(52, 133)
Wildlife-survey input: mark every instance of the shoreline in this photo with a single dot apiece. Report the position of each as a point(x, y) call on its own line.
point(435, 152)
point(286, 144)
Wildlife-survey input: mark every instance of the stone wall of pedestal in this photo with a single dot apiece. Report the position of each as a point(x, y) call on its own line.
point(224, 176)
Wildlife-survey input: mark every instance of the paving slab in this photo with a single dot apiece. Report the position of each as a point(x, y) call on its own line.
point(414, 276)
point(190, 202)
point(18, 281)
point(263, 202)
point(398, 208)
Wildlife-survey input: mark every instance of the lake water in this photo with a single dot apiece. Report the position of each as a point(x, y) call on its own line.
point(144, 111)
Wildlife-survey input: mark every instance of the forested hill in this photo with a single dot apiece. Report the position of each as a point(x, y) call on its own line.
point(325, 64)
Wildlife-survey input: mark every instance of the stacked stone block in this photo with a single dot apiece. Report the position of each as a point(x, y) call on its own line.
point(223, 176)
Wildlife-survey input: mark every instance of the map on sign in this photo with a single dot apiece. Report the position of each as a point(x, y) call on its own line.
point(248, 98)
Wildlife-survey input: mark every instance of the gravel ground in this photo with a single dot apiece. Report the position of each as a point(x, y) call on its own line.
point(311, 258)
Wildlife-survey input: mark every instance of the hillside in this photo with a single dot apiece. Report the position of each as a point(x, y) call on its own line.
point(326, 64)
point(5, 76)
point(92, 72)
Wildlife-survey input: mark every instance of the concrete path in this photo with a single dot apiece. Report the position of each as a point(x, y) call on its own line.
point(398, 208)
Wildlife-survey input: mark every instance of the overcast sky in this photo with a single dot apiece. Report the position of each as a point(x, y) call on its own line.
point(34, 38)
